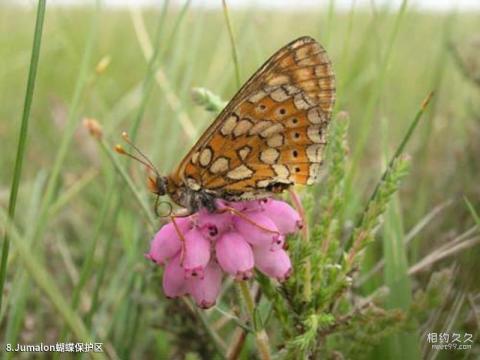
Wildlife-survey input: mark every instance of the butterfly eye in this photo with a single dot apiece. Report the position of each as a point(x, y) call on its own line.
point(161, 185)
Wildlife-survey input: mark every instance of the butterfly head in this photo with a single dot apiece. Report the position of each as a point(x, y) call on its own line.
point(158, 184)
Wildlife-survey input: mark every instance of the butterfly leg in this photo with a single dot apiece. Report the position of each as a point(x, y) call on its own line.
point(246, 218)
point(180, 236)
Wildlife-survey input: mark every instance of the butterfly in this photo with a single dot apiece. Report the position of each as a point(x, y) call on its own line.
point(269, 137)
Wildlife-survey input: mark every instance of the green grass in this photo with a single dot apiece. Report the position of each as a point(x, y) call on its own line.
point(37, 40)
point(76, 269)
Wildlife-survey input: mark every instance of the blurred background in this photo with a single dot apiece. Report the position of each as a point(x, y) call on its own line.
point(87, 235)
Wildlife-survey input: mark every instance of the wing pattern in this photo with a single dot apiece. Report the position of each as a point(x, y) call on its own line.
point(272, 133)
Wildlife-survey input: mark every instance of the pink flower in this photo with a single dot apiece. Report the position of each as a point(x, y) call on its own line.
point(235, 255)
point(196, 254)
point(285, 217)
point(273, 263)
point(205, 290)
point(258, 229)
point(174, 283)
point(235, 239)
point(166, 242)
point(214, 226)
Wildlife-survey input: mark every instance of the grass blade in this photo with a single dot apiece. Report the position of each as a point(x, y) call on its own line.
point(403, 345)
point(70, 126)
point(405, 139)
point(232, 42)
point(22, 141)
point(148, 81)
point(41, 277)
point(395, 156)
point(473, 212)
point(368, 117)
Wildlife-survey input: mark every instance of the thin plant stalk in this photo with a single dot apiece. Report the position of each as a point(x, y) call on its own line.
point(22, 141)
point(51, 188)
point(261, 337)
point(101, 271)
point(473, 212)
point(87, 266)
point(368, 117)
point(307, 267)
point(116, 162)
point(396, 277)
point(20, 292)
point(161, 77)
point(232, 43)
point(148, 81)
point(398, 152)
point(40, 275)
point(424, 153)
point(41, 222)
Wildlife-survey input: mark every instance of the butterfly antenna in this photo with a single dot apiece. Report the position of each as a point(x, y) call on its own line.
point(120, 149)
point(141, 158)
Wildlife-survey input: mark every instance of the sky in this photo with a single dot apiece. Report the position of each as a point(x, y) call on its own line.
point(438, 5)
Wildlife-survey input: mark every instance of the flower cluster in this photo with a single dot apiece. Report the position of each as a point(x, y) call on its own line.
point(239, 236)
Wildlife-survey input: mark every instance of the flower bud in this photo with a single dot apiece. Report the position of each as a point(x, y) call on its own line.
point(205, 290)
point(174, 283)
point(258, 229)
point(235, 255)
point(275, 263)
point(283, 215)
point(197, 253)
point(167, 242)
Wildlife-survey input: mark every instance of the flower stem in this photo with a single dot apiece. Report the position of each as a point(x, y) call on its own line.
point(307, 268)
point(261, 336)
point(217, 340)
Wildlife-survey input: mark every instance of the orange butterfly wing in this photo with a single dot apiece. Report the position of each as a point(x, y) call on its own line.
point(272, 133)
